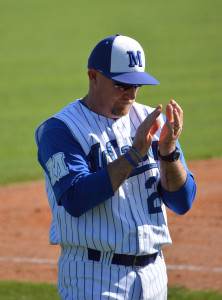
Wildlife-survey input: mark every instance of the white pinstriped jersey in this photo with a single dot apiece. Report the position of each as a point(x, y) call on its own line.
point(133, 221)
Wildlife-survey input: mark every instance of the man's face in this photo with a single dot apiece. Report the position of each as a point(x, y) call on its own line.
point(110, 101)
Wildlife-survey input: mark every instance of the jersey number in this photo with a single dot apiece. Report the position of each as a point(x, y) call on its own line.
point(56, 167)
point(153, 200)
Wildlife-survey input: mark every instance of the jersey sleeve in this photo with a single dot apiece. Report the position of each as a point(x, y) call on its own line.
point(65, 163)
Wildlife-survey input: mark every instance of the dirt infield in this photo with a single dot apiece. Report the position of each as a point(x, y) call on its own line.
point(194, 260)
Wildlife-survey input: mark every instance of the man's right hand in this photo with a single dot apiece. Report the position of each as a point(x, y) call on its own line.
point(146, 131)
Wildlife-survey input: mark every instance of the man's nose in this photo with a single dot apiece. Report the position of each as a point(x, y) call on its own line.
point(132, 92)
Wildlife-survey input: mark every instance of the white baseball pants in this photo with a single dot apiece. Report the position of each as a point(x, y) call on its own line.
point(83, 279)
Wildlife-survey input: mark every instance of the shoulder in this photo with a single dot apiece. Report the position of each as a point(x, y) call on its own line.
point(54, 122)
point(53, 127)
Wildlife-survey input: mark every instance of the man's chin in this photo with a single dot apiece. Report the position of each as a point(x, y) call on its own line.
point(122, 110)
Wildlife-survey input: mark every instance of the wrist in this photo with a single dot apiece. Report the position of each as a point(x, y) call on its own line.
point(171, 157)
point(130, 160)
point(167, 149)
point(134, 156)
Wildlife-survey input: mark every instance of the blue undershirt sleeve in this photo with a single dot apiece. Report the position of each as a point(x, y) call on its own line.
point(90, 190)
point(80, 189)
point(180, 201)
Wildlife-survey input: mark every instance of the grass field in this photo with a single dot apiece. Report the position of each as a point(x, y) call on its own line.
point(43, 291)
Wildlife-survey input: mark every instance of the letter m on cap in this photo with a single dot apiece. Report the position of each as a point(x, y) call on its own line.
point(135, 59)
point(56, 167)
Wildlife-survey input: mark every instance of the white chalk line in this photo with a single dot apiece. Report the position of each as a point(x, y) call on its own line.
point(194, 268)
point(42, 261)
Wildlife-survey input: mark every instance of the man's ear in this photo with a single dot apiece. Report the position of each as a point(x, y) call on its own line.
point(92, 73)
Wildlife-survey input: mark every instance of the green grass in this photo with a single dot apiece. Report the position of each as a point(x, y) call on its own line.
point(185, 294)
point(11, 290)
point(44, 50)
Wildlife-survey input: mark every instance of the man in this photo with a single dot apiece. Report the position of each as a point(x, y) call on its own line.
point(111, 165)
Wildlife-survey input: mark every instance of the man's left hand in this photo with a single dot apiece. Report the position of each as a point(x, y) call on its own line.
point(171, 129)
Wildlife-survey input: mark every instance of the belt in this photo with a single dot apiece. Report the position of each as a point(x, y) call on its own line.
point(124, 259)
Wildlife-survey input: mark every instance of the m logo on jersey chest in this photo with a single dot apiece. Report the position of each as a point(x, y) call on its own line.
point(57, 167)
point(135, 59)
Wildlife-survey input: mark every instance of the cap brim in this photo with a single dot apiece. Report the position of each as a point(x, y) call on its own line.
point(142, 78)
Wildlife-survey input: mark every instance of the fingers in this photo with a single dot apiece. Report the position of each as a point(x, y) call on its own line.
point(174, 115)
point(177, 126)
point(150, 121)
point(169, 112)
point(172, 127)
point(178, 118)
point(145, 132)
point(155, 127)
point(177, 113)
point(151, 118)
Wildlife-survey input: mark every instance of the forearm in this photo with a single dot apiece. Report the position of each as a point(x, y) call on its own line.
point(120, 169)
point(173, 175)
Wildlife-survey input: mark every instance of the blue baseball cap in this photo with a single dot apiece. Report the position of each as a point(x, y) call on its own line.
point(121, 58)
